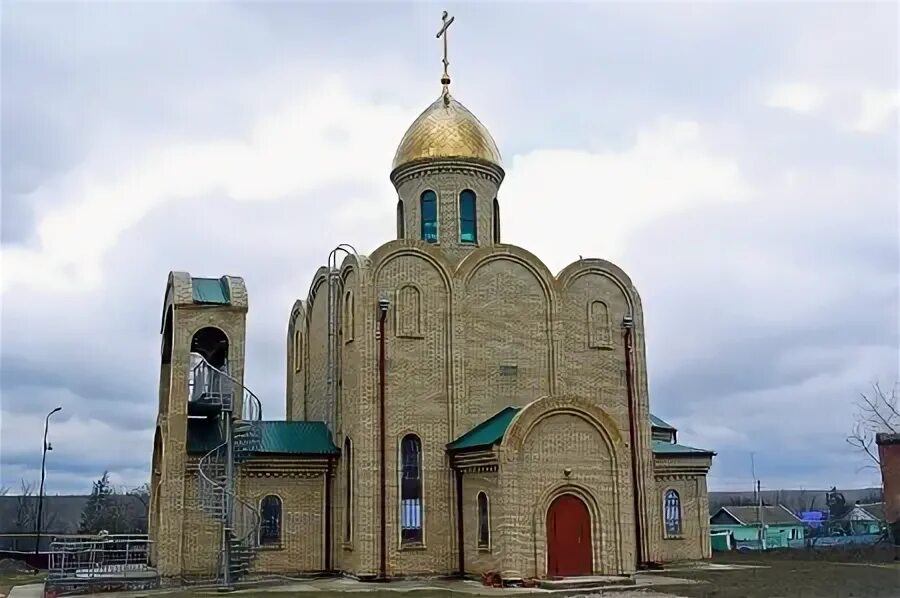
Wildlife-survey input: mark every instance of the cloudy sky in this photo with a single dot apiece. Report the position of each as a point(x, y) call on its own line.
point(739, 160)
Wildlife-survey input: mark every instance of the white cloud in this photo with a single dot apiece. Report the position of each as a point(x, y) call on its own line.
point(804, 98)
point(562, 203)
point(877, 110)
point(326, 137)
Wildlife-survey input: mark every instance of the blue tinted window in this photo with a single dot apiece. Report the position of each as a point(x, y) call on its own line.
point(467, 225)
point(429, 217)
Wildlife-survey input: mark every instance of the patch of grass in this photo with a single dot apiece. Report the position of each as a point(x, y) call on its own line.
point(10, 580)
point(793, 576)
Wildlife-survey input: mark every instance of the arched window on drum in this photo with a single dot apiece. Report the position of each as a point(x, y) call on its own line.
point(429, 214)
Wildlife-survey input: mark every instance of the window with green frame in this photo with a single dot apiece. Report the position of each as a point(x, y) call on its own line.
point(468, 227)
point(428, 207)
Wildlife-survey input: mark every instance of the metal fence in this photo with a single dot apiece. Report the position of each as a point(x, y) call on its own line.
point(86, 559)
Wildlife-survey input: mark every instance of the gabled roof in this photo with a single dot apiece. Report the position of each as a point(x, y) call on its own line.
point(873, 510)
point(658, 423)
point(487, 433)
point(275, 437)
point(749, 515)
point(661, 447)
point(491, 431)
point(876, 510)
point(211, 290)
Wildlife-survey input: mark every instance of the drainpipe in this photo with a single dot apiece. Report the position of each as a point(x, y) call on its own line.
point(628, 324)
point(460, 535)
point(328, 499)
point(383, 305)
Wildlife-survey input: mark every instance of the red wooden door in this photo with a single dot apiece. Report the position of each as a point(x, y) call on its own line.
point(569, 538)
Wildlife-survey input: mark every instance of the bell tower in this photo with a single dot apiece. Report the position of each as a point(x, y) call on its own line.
point(447, 172)
point(204, 321)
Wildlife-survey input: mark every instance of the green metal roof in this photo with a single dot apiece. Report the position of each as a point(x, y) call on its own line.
point(661, 447)
point(295, 438)
point(211, 290)
point(491, 431)
point(658, 423)
point(276, 437)
point(487, 433)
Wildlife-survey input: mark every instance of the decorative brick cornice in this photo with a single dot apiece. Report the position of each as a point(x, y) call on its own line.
point(428, 167)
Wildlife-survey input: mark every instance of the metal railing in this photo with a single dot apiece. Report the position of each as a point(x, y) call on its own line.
point(209, 385)
point(216, 487)
point(78, 559)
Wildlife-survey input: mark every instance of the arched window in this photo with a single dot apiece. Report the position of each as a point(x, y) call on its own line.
point(206, 384)
point(401, 220)
point(468, 227)
point(348, 316)
point(496, 221)
point(672, 510)
point(410, 490)
point(212, 344)
point(348, 490)
point(428, 207)
point(270, 524)
point(298, 350)
point(598, 324)
point(484, 521)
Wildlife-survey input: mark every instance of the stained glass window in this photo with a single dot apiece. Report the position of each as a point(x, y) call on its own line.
point(411, 489)
point(672, 505)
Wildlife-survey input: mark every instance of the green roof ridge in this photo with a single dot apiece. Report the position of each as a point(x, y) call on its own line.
point(487, 433)
point(659, 423)
point(670, 448)
point(297, 437)
point(211, 290)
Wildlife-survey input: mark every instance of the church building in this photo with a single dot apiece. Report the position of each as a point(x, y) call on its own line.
point(453, 407)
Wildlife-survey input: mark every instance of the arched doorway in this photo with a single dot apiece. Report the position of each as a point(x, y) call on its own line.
point(569, 550)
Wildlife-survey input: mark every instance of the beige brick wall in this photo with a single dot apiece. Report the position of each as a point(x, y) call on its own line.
point(504, 319)
point(479, 559)
point(302, 522)
point(560, 446)
point(498, 307)
point(201, 535)
point(693, 543)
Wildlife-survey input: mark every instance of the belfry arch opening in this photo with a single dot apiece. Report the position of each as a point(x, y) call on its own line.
point(212, 344)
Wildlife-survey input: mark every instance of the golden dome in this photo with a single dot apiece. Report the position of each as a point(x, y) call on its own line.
point(446, 129)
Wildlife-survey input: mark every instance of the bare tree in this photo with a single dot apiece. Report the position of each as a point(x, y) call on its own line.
point(877, 412)
point(26, 508)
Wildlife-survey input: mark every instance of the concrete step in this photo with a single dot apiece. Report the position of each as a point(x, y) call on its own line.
point(585, 582)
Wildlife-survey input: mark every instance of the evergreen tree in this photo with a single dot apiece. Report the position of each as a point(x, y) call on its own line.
point(101, 511)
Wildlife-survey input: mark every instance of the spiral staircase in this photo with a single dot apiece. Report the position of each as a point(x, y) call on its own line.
point(215, 394)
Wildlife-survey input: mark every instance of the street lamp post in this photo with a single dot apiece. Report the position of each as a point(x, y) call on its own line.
point(37, 523)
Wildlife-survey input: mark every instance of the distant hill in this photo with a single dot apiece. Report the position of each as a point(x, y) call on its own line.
point(795, 500)
point(61, 514)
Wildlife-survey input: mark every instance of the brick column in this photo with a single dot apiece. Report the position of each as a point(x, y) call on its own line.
point(889, 456)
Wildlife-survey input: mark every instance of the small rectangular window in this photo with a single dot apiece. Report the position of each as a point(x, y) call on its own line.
point(468, 227)
point(428, 206)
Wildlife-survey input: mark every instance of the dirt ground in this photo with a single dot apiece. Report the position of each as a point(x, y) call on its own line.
point(870, 572)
